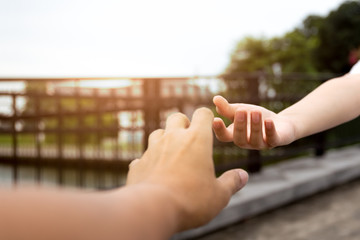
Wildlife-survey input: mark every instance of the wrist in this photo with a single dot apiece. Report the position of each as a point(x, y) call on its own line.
point(154, 209)
point(292, 119)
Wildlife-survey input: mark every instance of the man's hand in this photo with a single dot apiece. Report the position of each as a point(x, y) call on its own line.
point(172, 187)
point(253, 127)
point(179, 160)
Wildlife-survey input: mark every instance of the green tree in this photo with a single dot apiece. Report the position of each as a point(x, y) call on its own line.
point(295, 50)
point(250, 55)
point(339, 35)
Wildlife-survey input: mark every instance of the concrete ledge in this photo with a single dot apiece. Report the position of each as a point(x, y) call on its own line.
point(284, 183)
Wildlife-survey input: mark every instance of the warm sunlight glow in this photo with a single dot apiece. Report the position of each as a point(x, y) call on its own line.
point(100, 83)
point(113, 83)
point(160, 38)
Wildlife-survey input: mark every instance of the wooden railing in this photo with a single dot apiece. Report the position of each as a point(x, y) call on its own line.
point(65, 125)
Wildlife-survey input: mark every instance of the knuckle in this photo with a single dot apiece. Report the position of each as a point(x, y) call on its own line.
point(238, 130)
point(133, 163)
point(240, 142)
point(271, 145)
point(156, 133)
point(255, 142)
point(256, 127)
point(240, 139)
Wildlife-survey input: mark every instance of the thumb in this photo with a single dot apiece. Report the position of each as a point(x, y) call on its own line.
point(233, 180)
point(223, 107)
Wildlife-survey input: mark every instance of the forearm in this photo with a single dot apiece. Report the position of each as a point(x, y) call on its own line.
point(135, 212)
point(333, 103)
point(148, 211)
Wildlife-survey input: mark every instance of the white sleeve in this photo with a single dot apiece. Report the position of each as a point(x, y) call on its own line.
point(355, 68)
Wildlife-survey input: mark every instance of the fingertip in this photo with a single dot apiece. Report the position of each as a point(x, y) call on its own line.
point(270, 132)
point(223, 107)
point(240, 115)
point(218, 97)
point(269, 129)
point(244, 178)
point(221, 133)
point(219, 100)
point(214, 99)
point(234, 180)
point(269, 124)
point(204, 111)
point(202, 118)
point(255, 116)
point(217, 123)
point(220, 130)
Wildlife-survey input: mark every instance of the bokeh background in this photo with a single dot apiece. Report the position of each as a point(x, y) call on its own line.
point(83, 83)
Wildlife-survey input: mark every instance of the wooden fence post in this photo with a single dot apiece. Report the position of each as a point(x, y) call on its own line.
point(151, 108)
point(14, 140)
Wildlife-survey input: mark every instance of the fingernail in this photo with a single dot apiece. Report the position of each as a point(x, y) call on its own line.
point(244, 176)
point(268, 125)
point(216, 125)
point(240, 116)
point(255, 117)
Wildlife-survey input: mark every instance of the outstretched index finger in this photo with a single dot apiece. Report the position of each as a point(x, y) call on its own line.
point(202, 120)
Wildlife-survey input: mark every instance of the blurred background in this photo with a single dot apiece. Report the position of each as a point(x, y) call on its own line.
point(155, 38)
point(83, 83)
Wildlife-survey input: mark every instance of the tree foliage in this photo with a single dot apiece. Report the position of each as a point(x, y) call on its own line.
point(319, 44)
point(339, 36)
point(250, 55)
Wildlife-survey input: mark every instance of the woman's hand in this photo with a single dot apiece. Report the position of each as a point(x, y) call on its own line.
point(253, 127)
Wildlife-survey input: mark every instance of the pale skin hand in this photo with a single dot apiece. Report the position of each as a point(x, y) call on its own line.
point(254, 127)
point(172, 187)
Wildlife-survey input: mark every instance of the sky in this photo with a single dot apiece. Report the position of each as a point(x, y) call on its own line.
point(136, 38)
